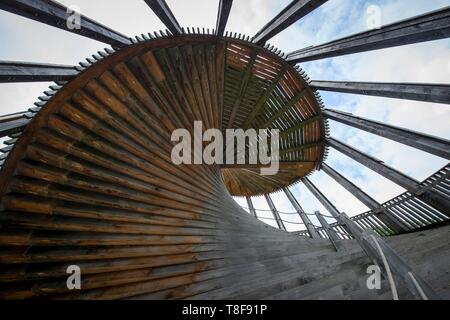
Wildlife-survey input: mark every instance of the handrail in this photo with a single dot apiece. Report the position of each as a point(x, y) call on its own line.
point(387, 268)
point(378, 250)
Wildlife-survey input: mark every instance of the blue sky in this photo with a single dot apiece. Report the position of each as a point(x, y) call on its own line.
point(27, 40)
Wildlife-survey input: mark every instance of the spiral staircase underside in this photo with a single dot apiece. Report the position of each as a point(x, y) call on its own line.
point(90, 182)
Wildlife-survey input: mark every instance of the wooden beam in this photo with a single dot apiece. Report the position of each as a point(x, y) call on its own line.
point(370, 202)
point(296, 10)
point(430, 26)
point(434, 145)
point(56, 15)
point(275, 213)
point(431, 198)
point(301, 148)
point(251, 207)
point(377, 165)
point(348, 185)
point(11, 124)
point(222, 17)
point(308, 224)
point(162, 10)
point(283, 165)
point(263, 99)
point(332, 235)
point(321, 197)
point(34, 72)
point(436, 93)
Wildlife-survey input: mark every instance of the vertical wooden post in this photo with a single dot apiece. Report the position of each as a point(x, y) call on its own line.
point(275, 213)
point(309, 226)
point(251, 207)
point(332, 235)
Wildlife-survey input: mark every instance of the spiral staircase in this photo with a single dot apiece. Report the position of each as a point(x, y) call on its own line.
point(87, 178)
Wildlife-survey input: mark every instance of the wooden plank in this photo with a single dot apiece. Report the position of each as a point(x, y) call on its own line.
point(435, 93)
point(11, 124)
point(410, 184)
point(434, 145)
point(332, 235)
point(427, 27)
point(275, 213)
point(34, 72)
point(308, 224)
point(296, 10)
point(162, 10)
point(222, 16)
point(56, 15)
point(371, 203)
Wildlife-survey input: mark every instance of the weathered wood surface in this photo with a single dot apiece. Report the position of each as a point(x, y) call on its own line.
point(163, 12)
point(427, 27)
point(431, 144)
point(223, 15)
point(296, 10)
point(436, 200)
point(56, 15)
point(435, 93)
point(90, 181)
point(34, 72)
point(389, 220)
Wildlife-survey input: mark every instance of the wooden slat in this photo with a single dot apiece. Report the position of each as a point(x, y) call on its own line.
point(162, 10)
point(296, 10)
point(222, 16)
point(90, 181)
point(427, 27)
point(55, 14)
point(437, 93)
point(34, 72)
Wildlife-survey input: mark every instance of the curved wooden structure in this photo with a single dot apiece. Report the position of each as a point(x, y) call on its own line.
point(87, 177)
point(90, 181)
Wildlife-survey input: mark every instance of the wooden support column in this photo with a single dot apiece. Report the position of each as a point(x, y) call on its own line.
point(309, 226)
point(222, 17)
point(321, 197)
point(332, 235)
point(251, 207)
point(12, 124)
point(34, 72)
point(275, 213)
point(436, 93)
point(162, 10)
point(296, 10)
point(434, 145)
point(56, 15)
point(430, 26)
point(428, 196)
point(371, 203)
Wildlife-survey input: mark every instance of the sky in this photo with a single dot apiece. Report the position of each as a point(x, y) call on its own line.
point(27, 40)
